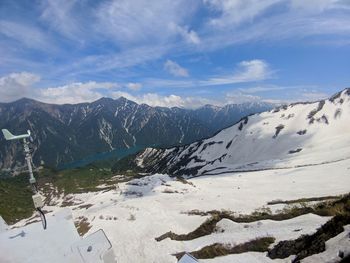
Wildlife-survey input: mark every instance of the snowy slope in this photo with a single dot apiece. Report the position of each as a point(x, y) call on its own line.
point(290, 136)
point(140, 210)
point(143, 209)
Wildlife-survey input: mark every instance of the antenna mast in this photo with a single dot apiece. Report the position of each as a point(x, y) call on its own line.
point(37, 198)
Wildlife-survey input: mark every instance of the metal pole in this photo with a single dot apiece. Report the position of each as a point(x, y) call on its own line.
point(37, 198)
point(28, 158)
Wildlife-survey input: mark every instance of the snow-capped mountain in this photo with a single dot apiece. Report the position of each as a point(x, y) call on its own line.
point(223, 117)
point(66, 133)
point(296, 135)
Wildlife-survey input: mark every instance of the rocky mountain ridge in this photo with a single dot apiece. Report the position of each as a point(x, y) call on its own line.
point(70, 132)
point(294, 135)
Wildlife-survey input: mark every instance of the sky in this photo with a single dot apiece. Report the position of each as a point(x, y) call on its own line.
point(184, 53)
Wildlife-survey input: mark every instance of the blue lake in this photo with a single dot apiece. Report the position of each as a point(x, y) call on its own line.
point(115, 154)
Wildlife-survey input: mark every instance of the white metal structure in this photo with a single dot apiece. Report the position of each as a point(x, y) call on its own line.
point(9, 136)
point(37, 199)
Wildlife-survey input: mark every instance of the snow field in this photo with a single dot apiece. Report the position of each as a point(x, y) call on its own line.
point(151, 206)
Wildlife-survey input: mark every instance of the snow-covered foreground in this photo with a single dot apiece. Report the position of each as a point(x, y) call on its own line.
point(146, 208)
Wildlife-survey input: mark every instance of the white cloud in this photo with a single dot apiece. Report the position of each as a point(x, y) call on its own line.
point(91, 91)
point(234, 12)
point(237, 98)
point(134, 86)
point(247, 71)
point(253, 70)
point(129, 32)
point(136, 22)
point(188, 35)
point(116, 34)
point(169, 83)
point(242, 21)
point(191, 36)
point(175, 69)
point(154, 99)
point(262, 89)
point(59, 15)
point(265, 88)
point(315, 6)
point(76, 92)
point(17, 85)
point(191, 102)
point(121, 60)
point(26, 35)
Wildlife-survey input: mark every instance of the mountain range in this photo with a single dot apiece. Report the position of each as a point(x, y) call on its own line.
point(70, 132)
point(295, 135)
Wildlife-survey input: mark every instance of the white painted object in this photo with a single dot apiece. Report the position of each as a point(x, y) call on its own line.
point(188, 258)
point(9, 136)
point(58, 243)
point(38, 201)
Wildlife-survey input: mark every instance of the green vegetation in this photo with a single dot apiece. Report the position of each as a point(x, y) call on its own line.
point(15, 192)
point(126, 164)
point(80, 180)
point(15, 199)
point(5, 174)
point(218, 249)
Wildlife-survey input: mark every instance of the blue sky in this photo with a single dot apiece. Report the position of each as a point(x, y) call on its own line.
point(174, 53)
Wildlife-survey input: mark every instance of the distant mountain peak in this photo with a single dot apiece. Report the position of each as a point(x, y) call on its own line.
point(25, 100)
point(346, 91)
point(105, 99)
point(122, 99)
point(210, 106)
point(340, 94)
